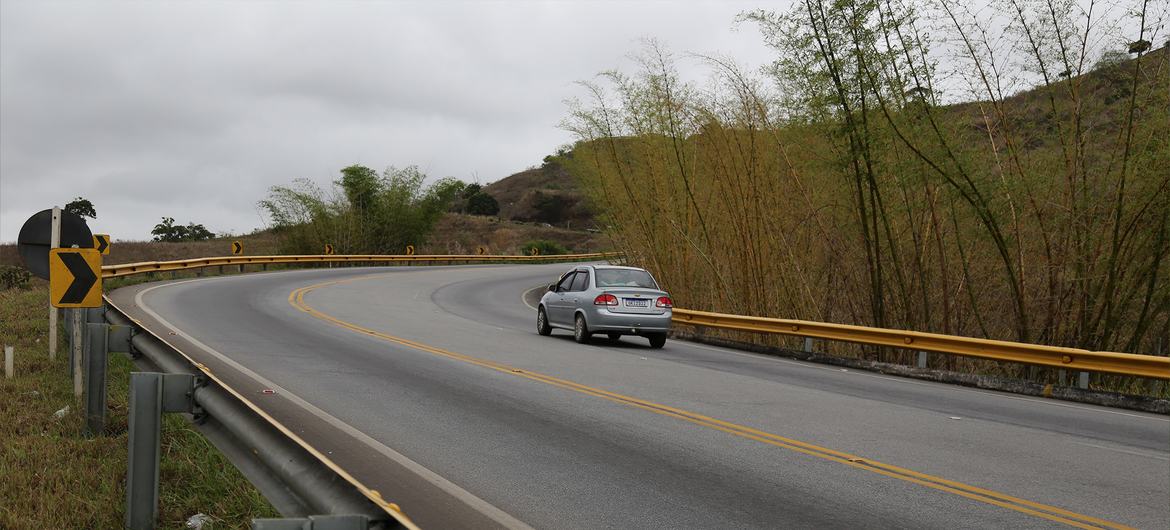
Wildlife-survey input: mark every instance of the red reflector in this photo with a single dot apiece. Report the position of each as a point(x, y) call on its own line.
point(664, 302)
point(605, 299)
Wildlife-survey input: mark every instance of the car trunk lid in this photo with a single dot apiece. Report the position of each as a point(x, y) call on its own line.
point(636, 300)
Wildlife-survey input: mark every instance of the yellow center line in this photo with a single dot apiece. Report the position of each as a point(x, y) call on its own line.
point(1053, 513)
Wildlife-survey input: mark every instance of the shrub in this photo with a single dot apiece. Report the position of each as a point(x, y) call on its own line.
point(14, 277)
point(546, 247)
point(482, 204)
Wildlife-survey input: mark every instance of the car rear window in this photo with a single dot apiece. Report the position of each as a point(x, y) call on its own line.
point(624, 278)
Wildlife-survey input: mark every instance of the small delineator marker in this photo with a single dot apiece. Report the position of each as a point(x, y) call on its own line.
point(9, 354)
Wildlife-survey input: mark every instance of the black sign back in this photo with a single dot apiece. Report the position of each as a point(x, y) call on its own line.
point(36, 236)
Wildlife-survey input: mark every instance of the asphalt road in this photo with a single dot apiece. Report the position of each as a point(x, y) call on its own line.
point(431, 385)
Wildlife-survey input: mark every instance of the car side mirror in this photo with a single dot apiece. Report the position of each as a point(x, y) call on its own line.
point(552, 288)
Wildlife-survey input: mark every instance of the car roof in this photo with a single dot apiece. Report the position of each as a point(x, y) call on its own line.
point(622, 267)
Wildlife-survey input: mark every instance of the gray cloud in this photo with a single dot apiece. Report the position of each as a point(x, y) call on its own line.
point(192, 110)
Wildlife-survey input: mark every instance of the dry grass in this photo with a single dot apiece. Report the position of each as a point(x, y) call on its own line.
point(461, 234)
point(55, 477)
point(1041, 217)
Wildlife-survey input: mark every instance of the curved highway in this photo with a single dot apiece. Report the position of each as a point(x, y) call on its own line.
point(431, 385)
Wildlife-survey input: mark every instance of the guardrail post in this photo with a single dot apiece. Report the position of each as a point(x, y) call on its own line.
point(9, 354)
point(922, 359)
point(68, 322)
point(1083, 381)
point(151, 394)
point(95, 378)
point(808, 344)
point(76, 343)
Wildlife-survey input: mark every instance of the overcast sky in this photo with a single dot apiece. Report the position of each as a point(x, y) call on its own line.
point(193, 110)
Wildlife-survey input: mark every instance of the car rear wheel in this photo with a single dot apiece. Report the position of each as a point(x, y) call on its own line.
point(657, 340)
point(613, 337)
point(542, 326)
point(581, 330)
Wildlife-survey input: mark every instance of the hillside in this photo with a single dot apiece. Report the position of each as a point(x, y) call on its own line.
point(547, 194)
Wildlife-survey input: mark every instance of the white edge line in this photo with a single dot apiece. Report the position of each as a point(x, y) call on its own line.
point(480, 505)
point(524, 296)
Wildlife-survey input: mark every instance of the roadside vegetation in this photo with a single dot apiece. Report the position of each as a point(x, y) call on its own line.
point(906, 164)
point(56, 477)
point(363, 213)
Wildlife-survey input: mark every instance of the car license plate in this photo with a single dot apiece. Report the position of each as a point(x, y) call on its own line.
point(633, 302)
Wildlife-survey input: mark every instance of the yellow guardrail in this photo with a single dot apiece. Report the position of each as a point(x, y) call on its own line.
point(130, 269)
point(999, 350)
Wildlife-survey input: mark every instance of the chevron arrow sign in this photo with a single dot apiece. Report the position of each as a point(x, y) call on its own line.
point(75, 277)
point(102, 243)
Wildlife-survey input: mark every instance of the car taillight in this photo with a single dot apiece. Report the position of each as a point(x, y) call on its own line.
point(606, 299)
point(664, 301)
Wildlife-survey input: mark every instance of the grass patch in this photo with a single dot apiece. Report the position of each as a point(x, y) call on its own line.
point(56, 477)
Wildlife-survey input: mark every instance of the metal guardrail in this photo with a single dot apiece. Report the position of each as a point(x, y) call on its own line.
point(314, 484)
point(130, 269)
point(1067, 358)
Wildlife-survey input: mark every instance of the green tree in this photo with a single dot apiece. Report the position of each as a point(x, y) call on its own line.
point(169, 232)
point(471, 190)
point(482, 204)
point(366, 213)
point(360, 185)
point(82, 207)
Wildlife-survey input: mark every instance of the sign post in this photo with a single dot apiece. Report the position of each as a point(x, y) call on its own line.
point(54, 242)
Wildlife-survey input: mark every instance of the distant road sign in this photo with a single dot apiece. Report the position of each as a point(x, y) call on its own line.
point(102, 243)
point(481, 250)
point(534, 251)
point(409, 250)
point(328, 249)
point(75, 277)
point(36, 237)
point(237, 248)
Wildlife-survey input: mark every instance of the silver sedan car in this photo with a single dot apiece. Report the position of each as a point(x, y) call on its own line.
point(612, 300)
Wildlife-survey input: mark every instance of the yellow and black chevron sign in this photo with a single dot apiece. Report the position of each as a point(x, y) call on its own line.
point(75, 277)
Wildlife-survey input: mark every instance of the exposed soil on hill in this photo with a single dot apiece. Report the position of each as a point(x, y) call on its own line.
point(546, 194)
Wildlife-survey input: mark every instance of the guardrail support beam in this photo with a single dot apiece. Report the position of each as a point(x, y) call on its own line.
point(95, 378)
point(808, 345)
point(151, 394)
point(1083, 381)
point(922, 359)
point(314, 522)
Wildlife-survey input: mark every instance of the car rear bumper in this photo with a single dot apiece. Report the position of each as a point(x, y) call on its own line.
point(601, 319)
